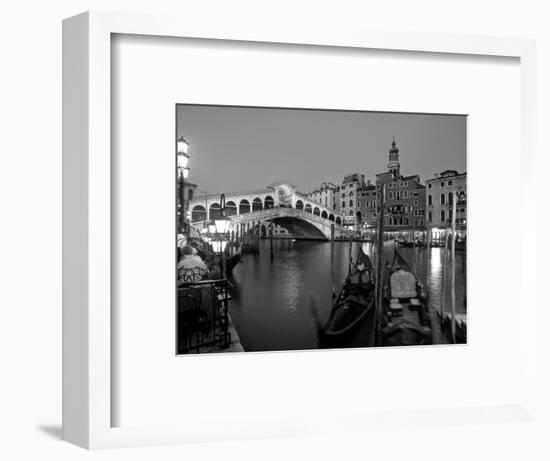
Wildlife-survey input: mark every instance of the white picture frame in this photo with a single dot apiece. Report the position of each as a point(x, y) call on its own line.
point(87, 360)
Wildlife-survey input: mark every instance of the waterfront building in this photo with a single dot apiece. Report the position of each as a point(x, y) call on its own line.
point(439, 202)
point(367, 207)
point(404, 199)
point(325, 195)
point(350, 187)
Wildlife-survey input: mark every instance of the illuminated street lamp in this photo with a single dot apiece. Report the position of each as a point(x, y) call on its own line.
point(220, 228)
point(182, 148)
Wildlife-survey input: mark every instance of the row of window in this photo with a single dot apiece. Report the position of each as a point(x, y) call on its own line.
point(444, 199)
point(394, 185)
point(393, 195)
point(441, 184)
point(444, 215)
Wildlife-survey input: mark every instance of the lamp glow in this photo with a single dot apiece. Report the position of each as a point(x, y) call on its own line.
point(183, 145)
point(183, 160)
point(219, 245)
point(222, 225)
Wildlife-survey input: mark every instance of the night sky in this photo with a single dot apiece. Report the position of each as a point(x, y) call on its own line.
point(239, 148)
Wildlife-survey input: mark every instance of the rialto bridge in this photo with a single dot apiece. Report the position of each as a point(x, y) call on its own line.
point(279, 204)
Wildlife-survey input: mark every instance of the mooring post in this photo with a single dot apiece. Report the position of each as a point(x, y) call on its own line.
point(443, 279)
point(333, 289)
point(271, 239)
point(453, 301)
point(379, 270)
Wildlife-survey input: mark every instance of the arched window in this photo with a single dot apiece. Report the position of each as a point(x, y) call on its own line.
point(450, 198)
point(215, 211)
point(257, 204)
point(324, 214)
point(406, 221)
point(331, 217)
point(359, 216)
point(244, 206)
point(230, 208)
point(344, 195)
point(307, 209)
point(190, 194)
point(442, 215)
point(351, 203)
point(269, 202)
point(198, 213)
point(299, 205)
point(343, 204)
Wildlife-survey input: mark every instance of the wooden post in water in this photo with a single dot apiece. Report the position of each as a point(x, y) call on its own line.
point(428, 261)
point(443, 279)
point(333, 289)
point(453, 301)
point(271, 239)
point(350, 258)
point(379, 271)
point(414, 253)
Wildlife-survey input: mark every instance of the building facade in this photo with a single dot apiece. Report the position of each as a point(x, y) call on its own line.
point(324, 195)
point(404, 198)
point(440, 191)
point(367, 207)
point(348, 198)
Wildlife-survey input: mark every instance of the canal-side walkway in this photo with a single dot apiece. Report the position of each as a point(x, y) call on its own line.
point(234, 345)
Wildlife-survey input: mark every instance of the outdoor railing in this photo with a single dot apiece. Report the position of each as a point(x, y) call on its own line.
point(203, 318)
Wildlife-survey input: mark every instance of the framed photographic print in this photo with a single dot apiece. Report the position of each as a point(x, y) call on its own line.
point(322, 197)
point(353, 262)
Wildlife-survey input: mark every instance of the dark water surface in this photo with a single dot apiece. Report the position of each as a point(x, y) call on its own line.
point(272, 299)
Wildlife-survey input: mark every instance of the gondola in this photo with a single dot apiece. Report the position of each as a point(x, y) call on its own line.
point(406, 319)
point(351, 320)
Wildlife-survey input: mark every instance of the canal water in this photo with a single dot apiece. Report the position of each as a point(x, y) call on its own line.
point(274, 299)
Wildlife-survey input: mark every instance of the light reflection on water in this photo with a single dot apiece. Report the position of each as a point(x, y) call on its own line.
point(272, 299)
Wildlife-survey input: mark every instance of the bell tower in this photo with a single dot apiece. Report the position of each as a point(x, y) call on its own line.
point(393, 164)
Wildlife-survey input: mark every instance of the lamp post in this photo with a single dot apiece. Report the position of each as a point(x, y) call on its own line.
point(182, 147)
point(220, 227)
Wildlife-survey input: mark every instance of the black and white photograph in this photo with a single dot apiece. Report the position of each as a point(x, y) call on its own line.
point(307, 229)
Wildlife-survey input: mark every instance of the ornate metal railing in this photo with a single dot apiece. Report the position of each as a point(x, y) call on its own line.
point(203, 318)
